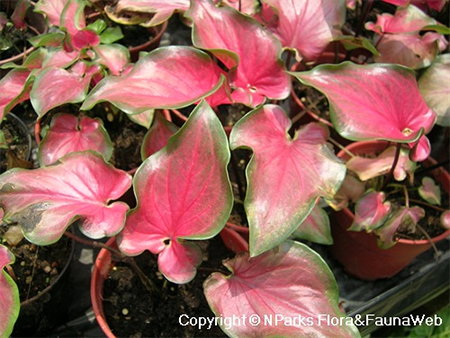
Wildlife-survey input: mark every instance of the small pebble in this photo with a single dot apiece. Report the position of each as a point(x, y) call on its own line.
point(125, 311)
point(47, 269)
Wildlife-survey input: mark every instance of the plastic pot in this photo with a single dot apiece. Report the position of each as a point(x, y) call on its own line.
point(358, 252)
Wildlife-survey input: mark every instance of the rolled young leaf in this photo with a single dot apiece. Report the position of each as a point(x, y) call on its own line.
point(9, 295)
point(45, 201)
point(288, 291)
point(285, 176)
point(183, 193)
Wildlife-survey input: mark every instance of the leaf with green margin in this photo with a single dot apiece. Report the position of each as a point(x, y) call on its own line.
point(290, 282)
point(54, 87)
point(183, 193)
point(168, 77)
point(9, 295)
point(370, 102)
point(244, 47)
point(45, 201)
point(13, 89)
point(68, 133)
point(430, 191)
point(435, 89)
point(114, 56)
point(371, 211)
point(143, 119)
point(315, 227)
point(285, 175)
point(157, 136)
point(318, 21)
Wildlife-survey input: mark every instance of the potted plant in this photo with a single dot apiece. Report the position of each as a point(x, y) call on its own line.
point(183, 191)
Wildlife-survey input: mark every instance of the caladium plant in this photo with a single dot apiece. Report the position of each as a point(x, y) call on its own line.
point(238, 58)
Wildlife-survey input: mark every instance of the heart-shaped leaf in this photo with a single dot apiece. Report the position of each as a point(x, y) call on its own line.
point(56, 86)
point(285, 176)
point(168, 77)
point(307, 26)
point(115, 57)
point(9, 295)
point(244, 46)
point(430, 191)
point(371, 211)
point(183, 193)
point(12, 87)
point(315, 227)
point(433, 85)
point(288, 291)
point(144, 119)
point(389, 107)
point(157, 136)
point(404, 217)
point(45, 201)
point(52, 9)
point(68, 134)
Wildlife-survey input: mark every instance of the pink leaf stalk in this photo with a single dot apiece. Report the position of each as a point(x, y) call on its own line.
point(183, 193)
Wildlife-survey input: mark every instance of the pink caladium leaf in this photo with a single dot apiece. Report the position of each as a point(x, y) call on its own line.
point(389, 108)
point(73, 19)
point(248, 7)
point(115, 57)
point(9, 295)
point(420, 150)
point(183, 193)
point(411, 50)
point(45, 201)
point(157, 136)
point(257, 71)
point(368, 168)
point(315, 227)
point(18, 16)
point(12, 87)
point(52, 10)
point(371, 211)
point(307, 26)
point(162, 9)
point(168, 77)
point(430, 191)
point(351, 190)
point(56, 86)
point(68, 133)
point(402, 218)
point(290, 289)
point(143, 119)
point(285, 176)
point(433, 85)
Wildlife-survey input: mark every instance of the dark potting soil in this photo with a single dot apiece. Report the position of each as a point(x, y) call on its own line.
point(132, 311)
point(36, 267)
point(16, 151)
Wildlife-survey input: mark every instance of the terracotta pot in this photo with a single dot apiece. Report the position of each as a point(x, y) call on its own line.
point(101, 270)
point(358, 252)
point(233, 240)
